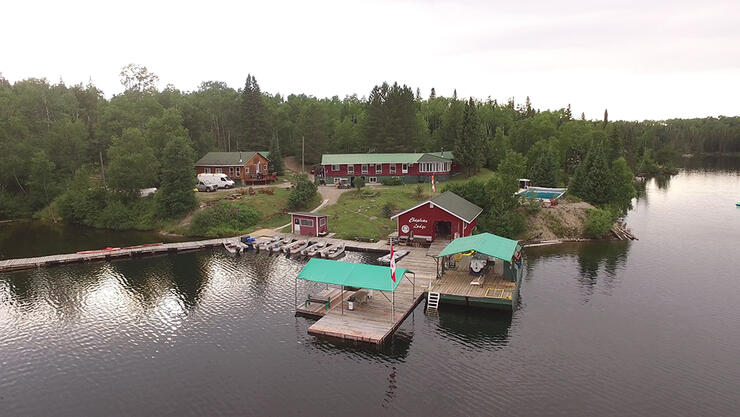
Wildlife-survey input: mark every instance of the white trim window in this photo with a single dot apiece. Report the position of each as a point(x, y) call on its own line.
point(392, 168)
point(335, 167)
point(351, 169)
point(364, 168)
point(246, 170)
point(238, 172)
point(206, 170)
point(404, 168)
point(433, 167)
point(378, 168)
point(219, 171)
point(322, 221)
point(307, 222)
point(372, 180)
point(231, 171)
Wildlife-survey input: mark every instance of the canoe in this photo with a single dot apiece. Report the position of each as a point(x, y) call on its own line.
point(397, 255)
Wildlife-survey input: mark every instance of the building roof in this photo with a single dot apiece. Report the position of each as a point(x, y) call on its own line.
point(381, 158)
point(372, 277)
point(485, 243)
point(307, 214)
point(229, 158)
point(453, 204)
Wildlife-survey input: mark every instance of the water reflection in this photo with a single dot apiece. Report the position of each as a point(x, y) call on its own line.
point(477, 329)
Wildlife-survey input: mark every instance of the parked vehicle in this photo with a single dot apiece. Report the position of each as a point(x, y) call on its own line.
point(207, 188)
point(343, 183)
point(219, 180)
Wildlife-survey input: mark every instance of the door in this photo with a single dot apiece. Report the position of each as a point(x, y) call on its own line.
point(443, 229)
point(297, 225)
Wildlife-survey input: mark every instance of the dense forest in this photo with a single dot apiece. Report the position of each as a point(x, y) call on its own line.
point(54, 137)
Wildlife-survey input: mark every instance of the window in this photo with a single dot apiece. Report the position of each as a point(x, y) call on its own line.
point(322, 221)
point(297, 220)
point(335, 167)
point(393, 168)
point(307, 222)
point(404, 168)
point(238, 173)
point(433, 167)
point(350, 169)
point(231, 171)
point(364, 168)
point(372, 180)
point(336, 180)
point(246, 170)
point(219, 171)
point(447, 166)
point(206, 170)
point(378, 168)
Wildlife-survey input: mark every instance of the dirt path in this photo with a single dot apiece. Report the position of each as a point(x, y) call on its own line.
point(294, 164)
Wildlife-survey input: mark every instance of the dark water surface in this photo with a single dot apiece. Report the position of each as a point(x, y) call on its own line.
point(644, 328)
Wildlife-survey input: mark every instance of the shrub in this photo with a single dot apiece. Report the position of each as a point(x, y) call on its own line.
point(598, 222)
point(303, 192)
point(387, 210)
point(532, 205)
point(419, 190)
point(359, 183)
point(115, 215)
point(391, 181)
point(224, 219)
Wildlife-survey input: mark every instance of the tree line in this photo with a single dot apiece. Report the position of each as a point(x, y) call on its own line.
point(51, 132)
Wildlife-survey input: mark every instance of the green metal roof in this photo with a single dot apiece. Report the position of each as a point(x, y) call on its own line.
point(372, 277)
point(457, 205)
point(377, 158)
point(229, 158)
point(485, 243)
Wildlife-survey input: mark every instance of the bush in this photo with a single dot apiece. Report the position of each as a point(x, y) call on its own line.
point(116, 215)
point(598, 222)
point(359, 183)
point(419, 190)
point(224, 219)
point(387, 210)
point(391, 181)
point(303, 192)
point(532, 205)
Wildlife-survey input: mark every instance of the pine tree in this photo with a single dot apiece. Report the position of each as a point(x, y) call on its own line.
point(276, 158)
point(254, 117)
point(583, 116)
point(544, 171)
point(497, 148)
point(568, 116)
point(432, 95)
point(592, 180)
point(178, 178)
point(606, 117)
point(469, 147)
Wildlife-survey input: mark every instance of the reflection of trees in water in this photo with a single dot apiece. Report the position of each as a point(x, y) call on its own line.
point(188, 277)
point(663, 181)
point(478, 328)
point(601, 261)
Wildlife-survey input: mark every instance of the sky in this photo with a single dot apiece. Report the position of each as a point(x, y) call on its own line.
point(638, 59)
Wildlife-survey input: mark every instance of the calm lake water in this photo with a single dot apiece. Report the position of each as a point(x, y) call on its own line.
point(643, 328)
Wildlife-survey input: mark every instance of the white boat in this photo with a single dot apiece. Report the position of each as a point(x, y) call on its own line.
point(232, 248)
point(334, 251)
point(321, 252)
point(311, 250)
point(279, 245)
point(397, 255)
point(296, 247)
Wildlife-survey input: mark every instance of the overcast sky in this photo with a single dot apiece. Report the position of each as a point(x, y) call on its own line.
point(639, 59)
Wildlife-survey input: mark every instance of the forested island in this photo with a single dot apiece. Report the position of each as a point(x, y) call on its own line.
point(70, 154)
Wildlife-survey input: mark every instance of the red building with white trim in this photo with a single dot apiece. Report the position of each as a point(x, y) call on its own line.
point(410, 168)
point(446, 216)
point(309, 224)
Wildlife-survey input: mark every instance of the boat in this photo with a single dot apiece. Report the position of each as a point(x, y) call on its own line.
point(232, 248)
point(313, 249)
point(280, 246)
point(270, 242)
point(321, 253)
point(334, 251)
point(397, 255)
point(296, 247)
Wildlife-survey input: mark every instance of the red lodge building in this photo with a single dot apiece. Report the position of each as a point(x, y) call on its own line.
point(410, 168)
point(446, 216)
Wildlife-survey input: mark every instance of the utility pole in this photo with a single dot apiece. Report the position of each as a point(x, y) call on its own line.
point(303, 153)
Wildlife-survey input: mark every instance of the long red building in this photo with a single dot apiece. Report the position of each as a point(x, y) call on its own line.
point(446, 216)
point(410, 168)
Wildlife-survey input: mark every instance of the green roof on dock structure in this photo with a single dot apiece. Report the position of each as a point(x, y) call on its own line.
point(383, 158)
point(371, 277)
point(485, 243)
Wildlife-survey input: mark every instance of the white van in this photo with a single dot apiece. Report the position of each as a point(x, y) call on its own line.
point(219, 180)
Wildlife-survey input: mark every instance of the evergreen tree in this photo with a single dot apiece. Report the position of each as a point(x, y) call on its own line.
point(276, 158)
point(545, 169)
point(132, 164)
point(513, 166)
point(432, 95)
point(255, 122)
point(313, 128)
point(497, 148)
point(592, 181)
point(469, 146)
point(623, 189)
point(606, 117)
point(176, 196)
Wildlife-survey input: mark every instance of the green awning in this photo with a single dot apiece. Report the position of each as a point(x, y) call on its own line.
point(372, 277)
point(485, 243)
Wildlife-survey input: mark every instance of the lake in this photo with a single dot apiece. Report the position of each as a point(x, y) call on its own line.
point(642, 328)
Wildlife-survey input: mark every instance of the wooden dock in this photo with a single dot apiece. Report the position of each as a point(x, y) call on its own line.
point(9, 265)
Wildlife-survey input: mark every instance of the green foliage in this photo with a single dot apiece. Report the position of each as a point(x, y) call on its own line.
point(132, 165)
point(496, 198)
point(391, 181)
point(513, 166)
point(304, 191)
point(387, 210)
point(391, 123)
point(469, 144)
point(254, 117)
point(224, 219)
point(176, 196)
point(276, 158)
point(623, 190)
point(43, 181)
point(598, 222)
point(497, 148)
point(545, 170)
point(359, 183)
point(592, 181)
point(419, 190)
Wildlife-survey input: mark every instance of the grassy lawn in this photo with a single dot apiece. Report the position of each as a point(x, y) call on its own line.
point(359, 215)
point(484, 174)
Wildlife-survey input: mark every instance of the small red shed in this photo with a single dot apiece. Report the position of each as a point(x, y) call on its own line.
point(309, 224)
point(446, 216)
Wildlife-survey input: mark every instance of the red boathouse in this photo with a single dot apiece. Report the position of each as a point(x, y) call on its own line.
point(309, 224)
point(446, 216)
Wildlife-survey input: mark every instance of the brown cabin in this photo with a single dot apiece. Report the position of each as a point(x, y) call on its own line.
point(249, 167)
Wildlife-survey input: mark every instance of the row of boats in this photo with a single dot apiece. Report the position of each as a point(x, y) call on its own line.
point(290, 246)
